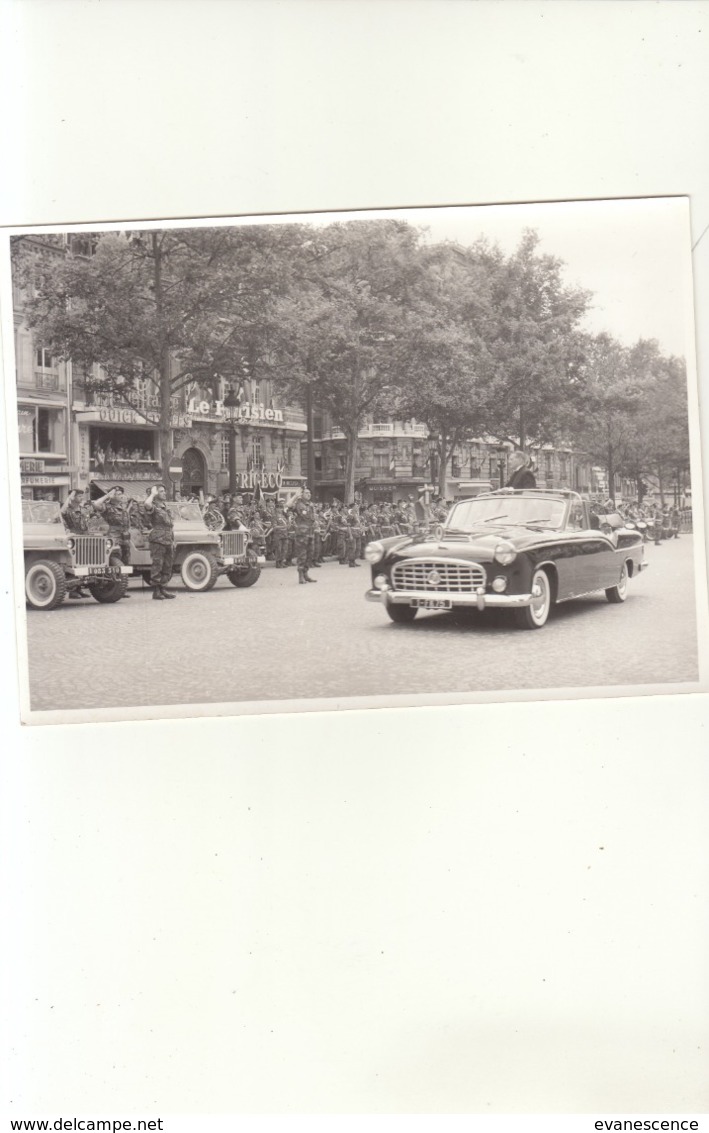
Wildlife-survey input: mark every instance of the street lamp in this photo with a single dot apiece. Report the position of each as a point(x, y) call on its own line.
point(232, 413)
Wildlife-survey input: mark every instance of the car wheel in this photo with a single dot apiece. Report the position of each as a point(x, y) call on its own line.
point(199, 570)
point(45, 585)
point(535, 615)
point(106, 592)
point(620, 592)
point(247, 577)
point(401, 614)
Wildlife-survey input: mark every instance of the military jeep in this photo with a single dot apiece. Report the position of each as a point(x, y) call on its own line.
point(201, 555)
point(57, 561)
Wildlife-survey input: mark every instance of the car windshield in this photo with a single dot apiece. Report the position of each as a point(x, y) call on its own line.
point(41, 511)
point(504, 511)
point(187, 510)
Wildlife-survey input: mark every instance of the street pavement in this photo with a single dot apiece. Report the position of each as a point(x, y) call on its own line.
point(281, 641)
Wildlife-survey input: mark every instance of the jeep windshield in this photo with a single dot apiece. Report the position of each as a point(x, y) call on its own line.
point(41, 511)
point(187, 510)
point(506, 511)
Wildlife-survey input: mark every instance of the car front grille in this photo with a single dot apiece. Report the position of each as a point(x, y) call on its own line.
point(233, 543)
point(89, 550)
point(457, 578)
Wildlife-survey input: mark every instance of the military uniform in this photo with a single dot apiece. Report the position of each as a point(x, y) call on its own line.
point(75, 519)
point(117, 515)
point(280, 538)
point(304, 520)
point(162, 546)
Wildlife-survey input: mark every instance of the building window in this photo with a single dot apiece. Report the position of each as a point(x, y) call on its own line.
point(381, 461)
point(256, 456)
point(256, 393)
point(225, 450)
point(41, 430)
point(44, 359)
point(318, 463)
point(548, 463)
point(493, 469)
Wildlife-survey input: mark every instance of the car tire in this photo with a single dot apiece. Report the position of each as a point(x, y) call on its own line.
point(199, 570)
point(535, 616)
point(108, 592)
point(45, 585)
point(402, 615)
point(619, 593)
point(247, 577)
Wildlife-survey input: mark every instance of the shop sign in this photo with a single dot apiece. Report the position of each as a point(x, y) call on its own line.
point(251, 413)
point(292, 481)
point(110, 415)
point(43, 481)
point(130, 474)
point(31, 466)
point(262, 479)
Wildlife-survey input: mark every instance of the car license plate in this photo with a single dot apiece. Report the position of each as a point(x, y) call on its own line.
point(103, 572)
point(433, 603)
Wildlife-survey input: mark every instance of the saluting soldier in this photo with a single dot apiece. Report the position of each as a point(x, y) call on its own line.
point(76, 521)
point(116, 511)
point(162, 543)
point(304, 516)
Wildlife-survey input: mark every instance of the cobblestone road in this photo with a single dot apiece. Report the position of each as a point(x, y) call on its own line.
point(278, 640)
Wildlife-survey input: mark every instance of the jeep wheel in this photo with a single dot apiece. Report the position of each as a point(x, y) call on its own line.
point(112, 591)
point(199, 570)
point(249, 575)
point(45, 585)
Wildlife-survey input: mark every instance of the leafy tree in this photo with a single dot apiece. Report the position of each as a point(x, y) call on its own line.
point(661, 448)
point(173, 306)
point(444, 362)
point(608, 405)
point(335, 337)
point(533, 343)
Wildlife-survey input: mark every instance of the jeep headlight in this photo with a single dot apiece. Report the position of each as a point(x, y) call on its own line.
point(70, 544)
point(373, 552)
point(505, 554)
point(109, 544)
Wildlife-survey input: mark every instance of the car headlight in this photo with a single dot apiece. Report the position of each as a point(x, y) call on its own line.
point(109, 544)
point(505, 554)
point(71, 544)
point(373, 552)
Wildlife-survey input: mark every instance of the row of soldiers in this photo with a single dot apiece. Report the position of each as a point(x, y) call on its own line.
point(338, 530)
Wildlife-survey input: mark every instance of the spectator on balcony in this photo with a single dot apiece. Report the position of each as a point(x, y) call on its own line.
point(520, 469)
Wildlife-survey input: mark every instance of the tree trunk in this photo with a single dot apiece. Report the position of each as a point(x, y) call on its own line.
point(350, 460)
point(661, 485)
point(310, 451)
point(443, 450)
point(165, 427)
point(611, 473)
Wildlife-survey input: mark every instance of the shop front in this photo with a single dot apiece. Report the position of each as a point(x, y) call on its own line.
point(117, 446)
point(44, 470)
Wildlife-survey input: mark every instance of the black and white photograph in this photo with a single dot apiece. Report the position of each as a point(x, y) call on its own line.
point(354, 688)
point(418, 456)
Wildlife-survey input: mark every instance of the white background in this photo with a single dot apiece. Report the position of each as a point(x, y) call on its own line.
point(392, 911)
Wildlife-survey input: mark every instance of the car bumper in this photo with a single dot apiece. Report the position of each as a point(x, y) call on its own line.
point(479, 599)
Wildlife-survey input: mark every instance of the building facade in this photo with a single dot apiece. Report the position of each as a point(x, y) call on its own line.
point(396, 459)
point(47, 463)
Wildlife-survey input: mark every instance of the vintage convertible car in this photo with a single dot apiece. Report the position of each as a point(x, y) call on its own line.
point(522, 550)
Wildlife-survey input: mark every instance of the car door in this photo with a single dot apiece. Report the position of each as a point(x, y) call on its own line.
point(596, 560)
